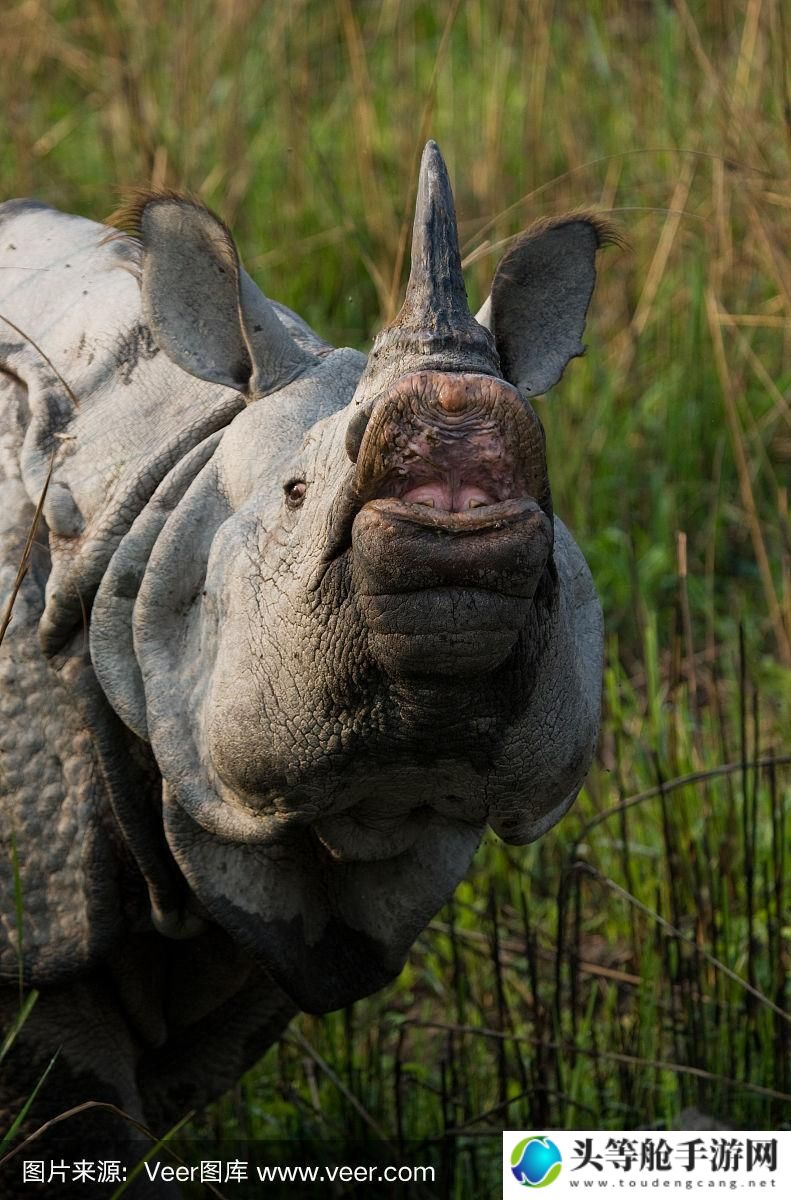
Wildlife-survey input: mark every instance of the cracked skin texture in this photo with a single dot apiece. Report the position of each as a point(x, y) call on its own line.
point(235, 785)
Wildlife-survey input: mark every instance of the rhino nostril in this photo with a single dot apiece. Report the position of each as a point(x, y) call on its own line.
point(355, 431)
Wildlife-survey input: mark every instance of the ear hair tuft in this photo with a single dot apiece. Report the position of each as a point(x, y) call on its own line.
point(606, 231)
point(128, 216)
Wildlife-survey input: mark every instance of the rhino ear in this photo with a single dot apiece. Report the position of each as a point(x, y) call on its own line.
point(204, 311)
point(539, 298)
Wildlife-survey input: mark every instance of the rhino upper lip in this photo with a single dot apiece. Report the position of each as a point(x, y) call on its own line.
point(449, 452)
point(452, 467)
point(509, 477)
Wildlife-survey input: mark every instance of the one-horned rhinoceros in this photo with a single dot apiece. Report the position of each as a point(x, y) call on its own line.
point(297, 626)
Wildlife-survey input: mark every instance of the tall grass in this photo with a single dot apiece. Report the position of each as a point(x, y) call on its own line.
point(627, 967)
point(303, 122)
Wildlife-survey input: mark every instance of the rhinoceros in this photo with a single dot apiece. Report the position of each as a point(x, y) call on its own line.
point(298, 625)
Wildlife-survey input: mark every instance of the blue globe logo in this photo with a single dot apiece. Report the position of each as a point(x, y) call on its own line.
point(536, 1161)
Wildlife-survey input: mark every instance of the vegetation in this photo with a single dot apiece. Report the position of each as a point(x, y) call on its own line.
point(635, 960)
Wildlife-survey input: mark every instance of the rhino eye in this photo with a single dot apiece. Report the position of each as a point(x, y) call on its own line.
point(295, 492)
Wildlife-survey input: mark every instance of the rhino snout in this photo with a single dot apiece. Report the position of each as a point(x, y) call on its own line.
point(451, 441)
point(454, 529)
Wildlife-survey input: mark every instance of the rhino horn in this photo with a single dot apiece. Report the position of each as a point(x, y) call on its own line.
point(435, 329)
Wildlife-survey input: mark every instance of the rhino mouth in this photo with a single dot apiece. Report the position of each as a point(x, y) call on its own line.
point(454, 527)
point(454, 444)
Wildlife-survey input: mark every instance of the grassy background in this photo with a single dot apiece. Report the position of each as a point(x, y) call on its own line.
point(616, 972)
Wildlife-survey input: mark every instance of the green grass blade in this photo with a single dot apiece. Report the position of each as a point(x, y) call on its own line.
point(25, 1109)
point(23, 1014)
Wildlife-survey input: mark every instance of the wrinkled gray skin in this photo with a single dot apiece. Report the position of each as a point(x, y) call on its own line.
point(296, 628)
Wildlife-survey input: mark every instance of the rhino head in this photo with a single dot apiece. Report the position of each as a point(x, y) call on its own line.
point(349, 625)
